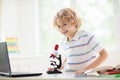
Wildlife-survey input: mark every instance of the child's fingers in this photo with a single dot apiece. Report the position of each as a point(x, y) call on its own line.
point(50, 69)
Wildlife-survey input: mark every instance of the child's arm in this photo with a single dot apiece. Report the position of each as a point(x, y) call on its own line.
point(103, 55)
point(64, 61)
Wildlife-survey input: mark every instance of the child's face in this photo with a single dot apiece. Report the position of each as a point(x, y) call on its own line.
point(68, 30)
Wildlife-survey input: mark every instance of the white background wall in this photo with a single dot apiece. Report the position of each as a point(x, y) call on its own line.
point(114, 54)
point(20, 18)
point(117, 21)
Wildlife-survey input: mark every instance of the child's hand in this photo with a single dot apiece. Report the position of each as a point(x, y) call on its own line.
point(50, 69)
point(83, 71)
point(79, 72)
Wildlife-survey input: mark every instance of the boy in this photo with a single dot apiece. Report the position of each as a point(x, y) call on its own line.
point(81, 48)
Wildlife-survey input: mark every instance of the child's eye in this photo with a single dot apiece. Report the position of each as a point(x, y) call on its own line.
point(64, 24)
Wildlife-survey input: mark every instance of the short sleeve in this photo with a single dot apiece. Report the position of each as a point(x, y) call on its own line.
point(95, 45)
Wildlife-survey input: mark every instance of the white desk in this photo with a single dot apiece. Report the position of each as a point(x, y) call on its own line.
point(63, 76)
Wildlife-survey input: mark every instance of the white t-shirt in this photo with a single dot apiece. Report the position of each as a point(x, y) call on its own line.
point(81, 51)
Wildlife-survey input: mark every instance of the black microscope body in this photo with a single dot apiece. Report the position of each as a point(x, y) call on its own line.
point(55, 57)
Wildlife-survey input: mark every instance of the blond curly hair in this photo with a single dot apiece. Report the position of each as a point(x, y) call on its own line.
point(67, 15)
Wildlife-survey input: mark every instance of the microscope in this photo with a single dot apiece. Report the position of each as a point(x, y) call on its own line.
point(54, 57)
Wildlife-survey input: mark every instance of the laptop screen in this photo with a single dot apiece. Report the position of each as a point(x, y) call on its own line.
point(4, 58)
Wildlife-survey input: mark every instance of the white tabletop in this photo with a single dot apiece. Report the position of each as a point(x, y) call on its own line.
point(63, 76)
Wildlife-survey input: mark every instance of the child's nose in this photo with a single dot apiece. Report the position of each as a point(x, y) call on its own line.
point(62, 29)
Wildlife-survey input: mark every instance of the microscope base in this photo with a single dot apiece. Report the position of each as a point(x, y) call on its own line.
point(54, 72)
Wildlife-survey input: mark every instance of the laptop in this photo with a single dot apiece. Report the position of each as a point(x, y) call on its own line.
point(5, 68)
